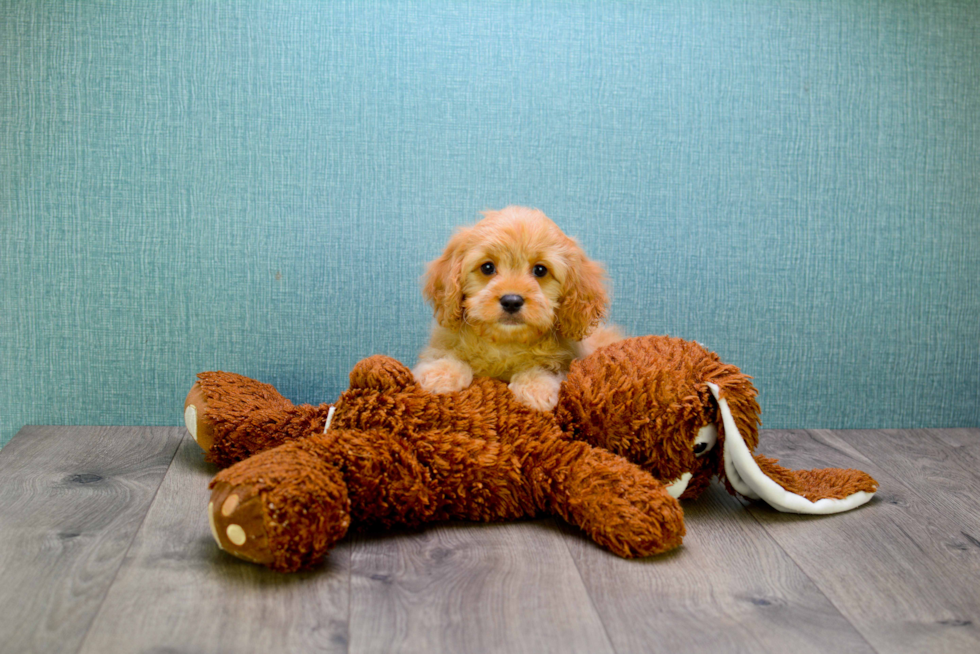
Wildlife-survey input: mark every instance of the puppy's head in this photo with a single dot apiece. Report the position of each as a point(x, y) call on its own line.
point(513, 277)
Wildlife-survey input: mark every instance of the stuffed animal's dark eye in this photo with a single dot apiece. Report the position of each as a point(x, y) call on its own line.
point(488, 268)
point(705, 440)
point(539, 270)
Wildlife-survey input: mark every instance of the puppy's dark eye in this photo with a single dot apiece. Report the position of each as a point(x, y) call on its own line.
point(539, 270)
point(700, 448)
point(488, 268)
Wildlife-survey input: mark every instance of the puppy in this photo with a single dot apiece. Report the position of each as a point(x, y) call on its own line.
point(513, 298)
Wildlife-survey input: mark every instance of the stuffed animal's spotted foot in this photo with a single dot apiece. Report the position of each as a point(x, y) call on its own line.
point(195, 407)
point(282, 508)
point(237, 520)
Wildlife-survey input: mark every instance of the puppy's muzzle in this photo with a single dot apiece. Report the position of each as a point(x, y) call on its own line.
point(511, 303)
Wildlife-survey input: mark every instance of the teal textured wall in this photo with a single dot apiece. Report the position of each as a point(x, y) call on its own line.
point(255, 186)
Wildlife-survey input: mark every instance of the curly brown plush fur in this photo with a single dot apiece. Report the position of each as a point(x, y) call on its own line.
point(396, 455)
point(645, 398)
point(625, 427)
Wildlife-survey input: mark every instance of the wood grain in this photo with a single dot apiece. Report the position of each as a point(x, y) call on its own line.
point(957, 438)
point(729, 588)
point(176, 591)
point(461, 588)
point(105, 547)
point(904, 568)
point(72, 500)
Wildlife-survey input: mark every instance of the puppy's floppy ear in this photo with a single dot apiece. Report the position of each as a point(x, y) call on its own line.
point(443, 283)
point(584, 298)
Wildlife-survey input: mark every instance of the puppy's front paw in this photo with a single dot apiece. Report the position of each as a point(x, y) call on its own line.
point(443, 375)
point(537, 389)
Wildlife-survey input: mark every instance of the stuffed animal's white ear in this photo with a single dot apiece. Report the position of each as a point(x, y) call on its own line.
point(748, 479)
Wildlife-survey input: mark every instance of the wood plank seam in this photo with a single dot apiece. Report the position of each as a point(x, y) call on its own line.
point(578, 571)
point(350, 589)
point(957, 460)
point(841, 610)
point(129, 547)
point(834, 441)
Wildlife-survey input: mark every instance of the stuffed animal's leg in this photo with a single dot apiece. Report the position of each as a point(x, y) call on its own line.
point(619, 505)
point(232, 417)
point(283, 508)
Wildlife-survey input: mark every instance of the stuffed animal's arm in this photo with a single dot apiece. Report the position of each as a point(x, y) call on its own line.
point(619, 505)
point(233, 417)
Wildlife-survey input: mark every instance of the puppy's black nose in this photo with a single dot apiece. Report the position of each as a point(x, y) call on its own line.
point(512, 303)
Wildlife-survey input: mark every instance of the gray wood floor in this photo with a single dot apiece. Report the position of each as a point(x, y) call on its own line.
point(105, 547)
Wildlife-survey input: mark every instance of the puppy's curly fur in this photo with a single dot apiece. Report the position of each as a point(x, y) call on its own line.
point(513, 298)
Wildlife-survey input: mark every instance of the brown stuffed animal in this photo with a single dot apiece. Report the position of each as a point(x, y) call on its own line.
point(387, 454)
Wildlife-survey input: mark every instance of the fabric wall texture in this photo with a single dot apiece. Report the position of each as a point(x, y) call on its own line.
point(255, 187)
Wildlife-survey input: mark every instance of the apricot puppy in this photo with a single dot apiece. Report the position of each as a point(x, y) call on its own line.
point(513, 298)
